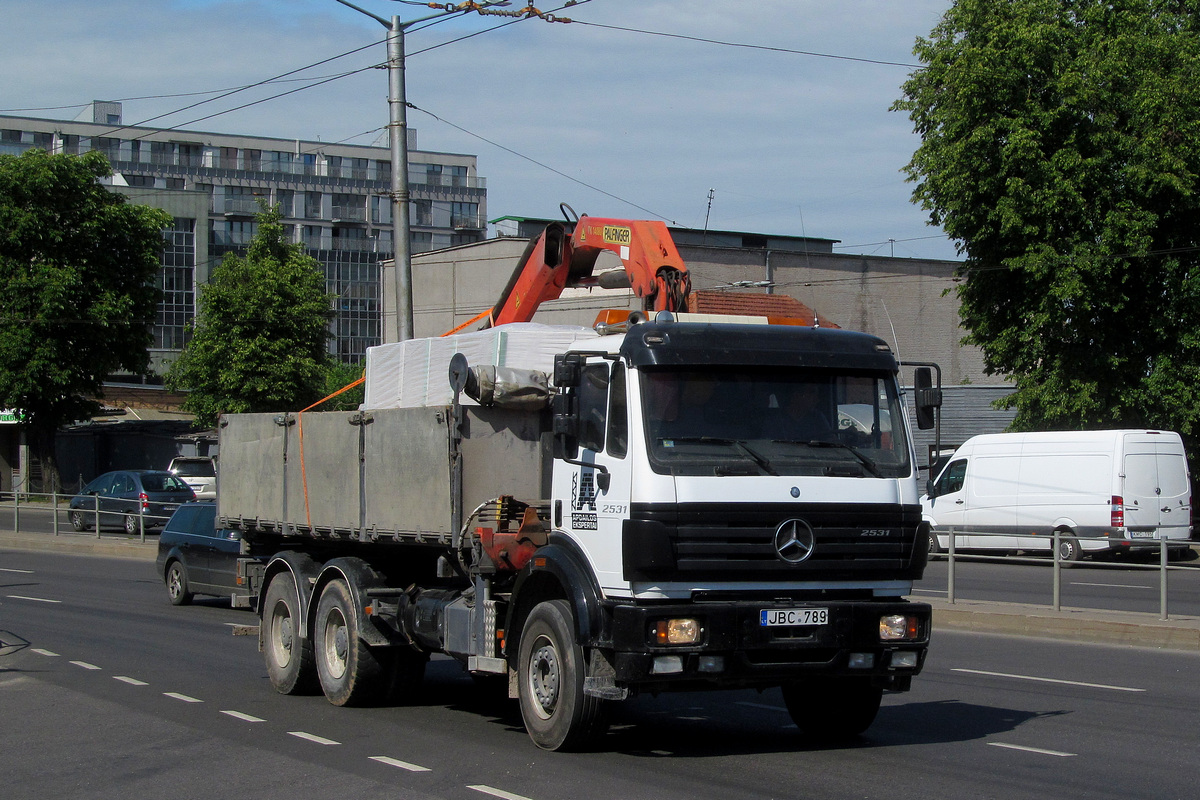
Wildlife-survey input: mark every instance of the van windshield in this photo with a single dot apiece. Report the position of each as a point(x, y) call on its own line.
point(768, 420)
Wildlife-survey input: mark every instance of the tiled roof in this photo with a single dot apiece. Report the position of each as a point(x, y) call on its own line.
point(755, 304)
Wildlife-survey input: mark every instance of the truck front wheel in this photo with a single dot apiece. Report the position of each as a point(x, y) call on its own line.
point(350, 673)
point(550, 664)
point(833, 708)
point(289, 657)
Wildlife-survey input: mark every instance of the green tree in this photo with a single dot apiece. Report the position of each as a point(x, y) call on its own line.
point(77, 289)
point(337, 377)
point(1061, 149)
point(258, 341)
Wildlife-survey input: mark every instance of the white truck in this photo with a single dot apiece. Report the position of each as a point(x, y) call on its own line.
point(653, 524)
point(1112, 491)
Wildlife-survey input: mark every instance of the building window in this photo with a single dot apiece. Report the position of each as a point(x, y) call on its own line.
point(143, 181)
point(312, 205)
point(422, 212)
point(349, 207)
point(240, 200)
point(252, 160)
point(465, 215)
point(111, 148)
point(286, 200)
point(228, 158)
point(176, 183)
point(177, 283)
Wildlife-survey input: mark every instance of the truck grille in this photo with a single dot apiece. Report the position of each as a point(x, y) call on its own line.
point(728, 542)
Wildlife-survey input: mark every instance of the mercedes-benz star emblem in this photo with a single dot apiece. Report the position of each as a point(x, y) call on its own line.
point(794, 541)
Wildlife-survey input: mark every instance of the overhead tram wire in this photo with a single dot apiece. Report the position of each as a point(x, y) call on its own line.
point(547, 167)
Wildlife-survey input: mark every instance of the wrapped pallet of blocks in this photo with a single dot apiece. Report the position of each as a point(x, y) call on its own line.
point(415, 373)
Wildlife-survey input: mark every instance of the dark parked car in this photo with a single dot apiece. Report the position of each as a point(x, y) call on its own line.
point(127, 495)
point(196, 557)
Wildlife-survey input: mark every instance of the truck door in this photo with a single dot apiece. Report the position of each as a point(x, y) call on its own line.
point(599, 490)
point(1156, 493)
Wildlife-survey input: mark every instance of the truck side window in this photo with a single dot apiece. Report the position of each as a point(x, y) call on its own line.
point(593, 406)
point(951, 480)
point(618, 414)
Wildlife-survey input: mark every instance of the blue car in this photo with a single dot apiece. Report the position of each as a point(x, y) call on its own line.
point(195, 557)
point(131, 498)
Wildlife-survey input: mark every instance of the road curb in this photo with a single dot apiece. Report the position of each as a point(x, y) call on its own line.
point(1072, 624)
point(114, 546)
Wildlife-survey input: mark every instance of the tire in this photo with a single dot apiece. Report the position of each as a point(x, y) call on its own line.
point(177, 584)
point(77, 522)
point(131, 524)
point(550, 670)
point(1068, 548)
point(289, 657)
point(934, 548)
point(833, 708)
point(350, 672)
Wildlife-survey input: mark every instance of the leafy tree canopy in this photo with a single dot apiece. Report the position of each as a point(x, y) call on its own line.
point(77, 287)
point(1061, 148)
point(258, 342)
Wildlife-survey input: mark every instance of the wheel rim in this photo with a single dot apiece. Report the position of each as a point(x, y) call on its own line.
point(282, 634)
point(131, 525)
point(336, 644)
point(175, 587)
point(544, 677)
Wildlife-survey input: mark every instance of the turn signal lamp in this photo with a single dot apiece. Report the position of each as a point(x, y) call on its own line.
point(677, 631)
point(898, 627)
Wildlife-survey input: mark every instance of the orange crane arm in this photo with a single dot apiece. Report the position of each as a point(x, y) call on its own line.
point(556, 260)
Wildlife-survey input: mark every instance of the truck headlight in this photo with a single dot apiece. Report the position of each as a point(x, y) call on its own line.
point(893, 627)
point(677, 631)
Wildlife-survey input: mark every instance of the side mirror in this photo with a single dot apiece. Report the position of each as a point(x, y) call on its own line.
point(928, 398)
point(568, 370)
point(565, 425)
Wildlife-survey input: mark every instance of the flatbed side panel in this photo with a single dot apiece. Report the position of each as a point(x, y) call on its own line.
point(407, 471)
point(250, 478)
point(322, 471)
point(505, 452)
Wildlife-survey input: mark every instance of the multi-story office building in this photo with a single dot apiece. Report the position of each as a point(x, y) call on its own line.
point(335, 200)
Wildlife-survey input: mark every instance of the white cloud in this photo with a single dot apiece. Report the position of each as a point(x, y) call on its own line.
point(790, 143)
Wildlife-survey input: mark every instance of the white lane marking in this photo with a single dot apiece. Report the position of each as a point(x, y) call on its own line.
point(503, 795)
point(18, 571)
point(312, 737)
point(395, 762)
point(1048, 680)
point(183, 697)
point(1037, 750)
point(1112, 585)
point(759, 705)
point(85, 665)
point(931, 591)
point(42, 652)
point(130, 681)
point(243, 717)
point(32, 599)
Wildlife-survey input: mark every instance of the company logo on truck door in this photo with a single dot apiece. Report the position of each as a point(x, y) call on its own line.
point(614, 234)
point(794, 541)
point(583, 498)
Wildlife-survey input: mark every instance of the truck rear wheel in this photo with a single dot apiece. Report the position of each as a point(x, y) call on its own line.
point(833, 708)
point(349, 671)
point(289, 657)
point(550, 664)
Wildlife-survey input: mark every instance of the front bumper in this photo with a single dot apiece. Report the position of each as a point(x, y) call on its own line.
point(736, 650)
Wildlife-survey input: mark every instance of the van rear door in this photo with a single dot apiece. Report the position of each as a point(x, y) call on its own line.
point(1157, 494)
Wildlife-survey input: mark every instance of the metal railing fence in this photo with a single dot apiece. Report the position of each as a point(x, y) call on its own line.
point(1161, 546)
point(84, 517)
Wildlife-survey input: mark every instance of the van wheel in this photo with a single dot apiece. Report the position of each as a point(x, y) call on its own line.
point(934, 548)
point(1068, 548)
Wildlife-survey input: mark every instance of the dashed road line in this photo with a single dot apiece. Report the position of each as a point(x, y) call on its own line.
point(182, 697)
point(1048, 680)
point(243, 717)
point(130, 681)
point(395, 762)
point(759, 705)
point(503, 795)
point(1113, 585)
point(31, 599)
point(312, 737)
point(18, 571)
point(1038, 750)
point(43, 652)
point(84, 665)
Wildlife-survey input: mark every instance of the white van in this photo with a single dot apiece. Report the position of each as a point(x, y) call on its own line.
point(1104, 491)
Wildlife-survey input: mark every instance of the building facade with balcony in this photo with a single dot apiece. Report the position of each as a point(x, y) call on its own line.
point(335, 200)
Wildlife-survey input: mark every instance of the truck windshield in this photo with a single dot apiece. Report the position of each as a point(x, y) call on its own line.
point(757, 420)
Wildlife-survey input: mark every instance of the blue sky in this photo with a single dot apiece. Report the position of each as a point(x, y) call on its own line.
point(599, 114)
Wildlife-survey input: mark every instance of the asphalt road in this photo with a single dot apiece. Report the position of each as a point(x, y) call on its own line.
point(119, 694)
